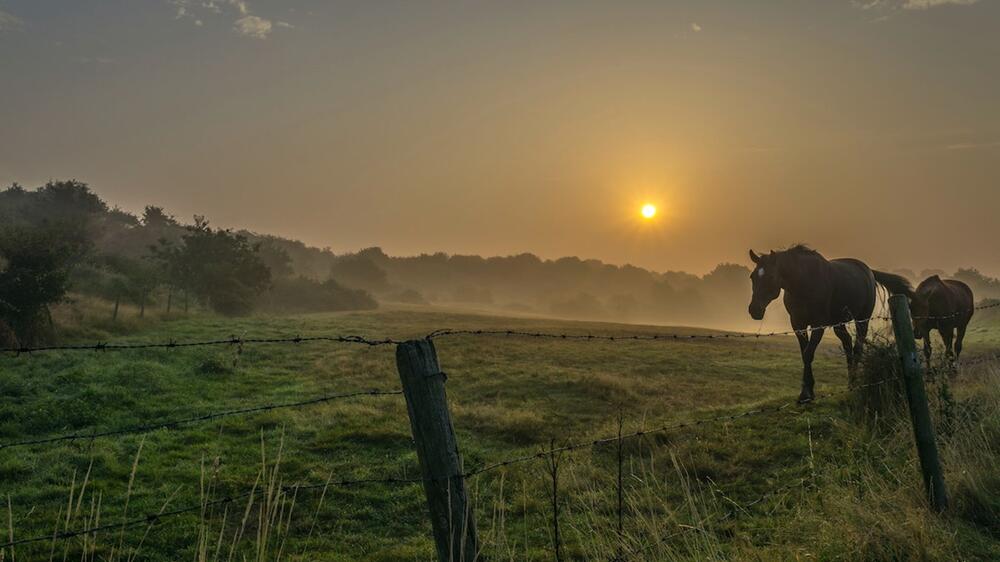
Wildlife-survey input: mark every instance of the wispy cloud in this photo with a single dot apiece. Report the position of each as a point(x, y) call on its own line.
point(9, 21)
point(925, 4)
point(695, 27)
point(910, 4)
point(241, 6)
point(973, 145)
point(253, 26)
point(246, 23)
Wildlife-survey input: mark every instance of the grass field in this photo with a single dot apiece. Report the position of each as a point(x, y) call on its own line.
point(825, 486)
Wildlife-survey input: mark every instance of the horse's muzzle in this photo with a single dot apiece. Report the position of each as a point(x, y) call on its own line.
point(756, 311)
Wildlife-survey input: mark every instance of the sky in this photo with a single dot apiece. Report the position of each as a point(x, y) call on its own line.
point(866, 128)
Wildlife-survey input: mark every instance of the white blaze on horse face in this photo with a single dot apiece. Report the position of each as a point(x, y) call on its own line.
point(760, 272)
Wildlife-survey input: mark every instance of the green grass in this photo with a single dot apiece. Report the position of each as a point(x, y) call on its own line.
point(861, 496)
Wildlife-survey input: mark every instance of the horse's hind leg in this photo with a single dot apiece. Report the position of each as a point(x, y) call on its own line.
point(947, 334)
point(845, 339)
point(861, 327)
point(958, 341)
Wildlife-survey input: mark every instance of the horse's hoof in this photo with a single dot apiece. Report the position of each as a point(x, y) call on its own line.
point(806, 397)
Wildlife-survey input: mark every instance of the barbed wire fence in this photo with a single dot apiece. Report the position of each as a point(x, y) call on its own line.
point(569, 444)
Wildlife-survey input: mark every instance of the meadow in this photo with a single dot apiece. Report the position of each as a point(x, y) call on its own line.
point(806, 482)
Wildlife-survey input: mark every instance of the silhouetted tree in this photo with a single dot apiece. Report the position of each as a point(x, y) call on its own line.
point(359, 272)
point(276, 259)
point(156, 217)
point(35, 274)
point(982, 286)
point(223, 269)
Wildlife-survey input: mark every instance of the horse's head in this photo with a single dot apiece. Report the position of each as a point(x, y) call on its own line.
point(766, 283)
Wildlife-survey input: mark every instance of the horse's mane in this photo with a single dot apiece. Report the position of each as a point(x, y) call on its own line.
point(802, 250)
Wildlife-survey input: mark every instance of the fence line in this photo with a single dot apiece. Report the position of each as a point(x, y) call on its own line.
point(675, 336)
point(163, 513)
point(231, 340)
point(355, 339)
point(171, 424)
point(156, 517)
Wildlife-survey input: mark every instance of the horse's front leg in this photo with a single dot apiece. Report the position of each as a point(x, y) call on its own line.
point(808, 346)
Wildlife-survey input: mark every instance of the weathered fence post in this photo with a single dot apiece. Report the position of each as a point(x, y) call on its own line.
point(437, 450)
point(916, 397)
point(621, 494)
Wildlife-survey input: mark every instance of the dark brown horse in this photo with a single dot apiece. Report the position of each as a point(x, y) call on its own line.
point(945, 305)
point(820, 293)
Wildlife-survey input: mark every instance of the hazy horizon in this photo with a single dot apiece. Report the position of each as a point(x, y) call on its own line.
point(865, 129)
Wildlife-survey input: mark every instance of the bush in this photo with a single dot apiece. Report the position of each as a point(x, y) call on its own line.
point(35, 266)
point(407, 296)
point(878, 384)
point(301, 294)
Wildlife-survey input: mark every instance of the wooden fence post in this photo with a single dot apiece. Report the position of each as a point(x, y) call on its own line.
point(437, 450)
point(916, 397)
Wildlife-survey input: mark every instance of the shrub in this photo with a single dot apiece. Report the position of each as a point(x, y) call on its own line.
point(301, 294)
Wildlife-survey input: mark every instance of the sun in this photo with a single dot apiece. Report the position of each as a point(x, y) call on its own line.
point(648, 211)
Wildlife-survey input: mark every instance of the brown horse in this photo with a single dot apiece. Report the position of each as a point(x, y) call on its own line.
point(820, 293)
point(945, 305)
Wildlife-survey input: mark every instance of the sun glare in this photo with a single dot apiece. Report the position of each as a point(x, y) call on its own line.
point(648, 211)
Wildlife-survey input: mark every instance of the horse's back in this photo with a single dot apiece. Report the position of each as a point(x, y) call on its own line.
point(854, 287)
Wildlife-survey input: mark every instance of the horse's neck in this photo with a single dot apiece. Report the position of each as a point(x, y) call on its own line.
point(804, 277)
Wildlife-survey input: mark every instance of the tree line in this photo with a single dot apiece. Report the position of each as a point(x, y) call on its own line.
point(62, 238)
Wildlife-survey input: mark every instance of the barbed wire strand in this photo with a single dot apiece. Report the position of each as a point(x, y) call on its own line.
point(152, 518)
point(671, 335)
point(171, 424)
point(355, 339)
point(231, 340)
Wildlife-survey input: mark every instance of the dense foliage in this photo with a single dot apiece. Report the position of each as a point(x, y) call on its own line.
point(62, 238)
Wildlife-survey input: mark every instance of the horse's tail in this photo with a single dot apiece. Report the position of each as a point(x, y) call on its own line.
point(895, 284)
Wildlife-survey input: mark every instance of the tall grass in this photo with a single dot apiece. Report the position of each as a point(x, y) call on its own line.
point(255, 531)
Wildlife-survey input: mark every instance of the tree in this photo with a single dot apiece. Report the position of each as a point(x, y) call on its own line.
point(156, 217)
point(276, 259)
point(34, 274)
point(223, 269)
point(134, 279)
point(359, 272)
point(170, 263)
point(982, 286)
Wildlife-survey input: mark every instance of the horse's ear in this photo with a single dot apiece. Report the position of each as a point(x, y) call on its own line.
point(754, 257)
